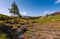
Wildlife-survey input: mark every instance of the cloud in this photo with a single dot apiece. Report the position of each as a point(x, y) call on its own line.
point(45, 12)
point(48, 12)
point(24, 13)
point(57, 1)
point(4, 11)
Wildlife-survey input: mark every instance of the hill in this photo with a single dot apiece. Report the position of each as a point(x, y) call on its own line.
point(31, 28)
point(56, 13)
point(4, 17)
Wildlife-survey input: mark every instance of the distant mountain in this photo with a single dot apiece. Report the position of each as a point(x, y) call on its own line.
point(56, 13)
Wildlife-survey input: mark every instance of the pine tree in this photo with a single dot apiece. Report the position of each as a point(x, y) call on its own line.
point(14, 10)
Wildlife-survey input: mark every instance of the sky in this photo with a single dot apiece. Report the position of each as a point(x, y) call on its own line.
point(31, 7)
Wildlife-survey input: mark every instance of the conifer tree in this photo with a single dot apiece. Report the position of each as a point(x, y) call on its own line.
point(14, 10)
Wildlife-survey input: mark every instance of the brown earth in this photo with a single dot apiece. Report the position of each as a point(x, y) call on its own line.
point(49, 30)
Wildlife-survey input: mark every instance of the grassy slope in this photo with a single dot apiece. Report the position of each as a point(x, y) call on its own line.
point(34, 26)
point(44, 26)
point(37, 20)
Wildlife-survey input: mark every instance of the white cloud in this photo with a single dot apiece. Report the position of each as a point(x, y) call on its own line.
point(24, 13)
point(4, 11)
point(57, 1)
point(48, 12)
point(45, 12)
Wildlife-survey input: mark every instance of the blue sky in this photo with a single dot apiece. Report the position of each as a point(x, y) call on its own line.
point(31, 7)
